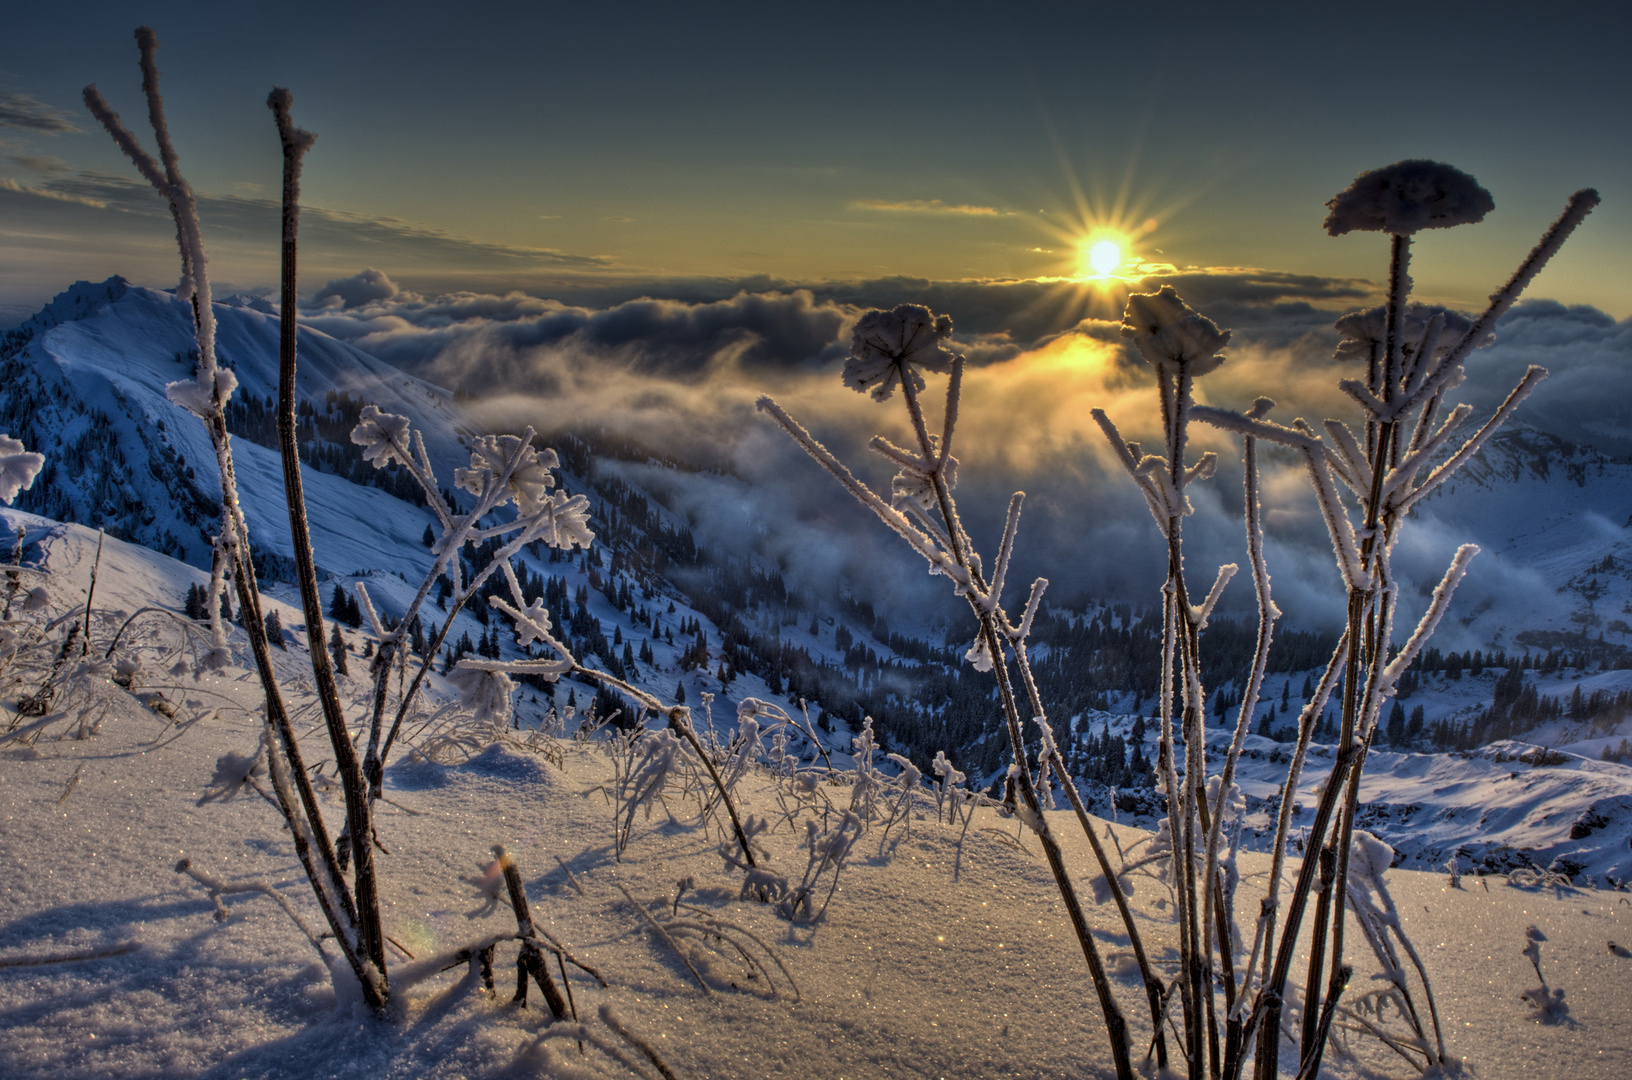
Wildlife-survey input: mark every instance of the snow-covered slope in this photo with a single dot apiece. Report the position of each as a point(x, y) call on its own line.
point(1555, 522)
point(944, 952)
point(84, 385)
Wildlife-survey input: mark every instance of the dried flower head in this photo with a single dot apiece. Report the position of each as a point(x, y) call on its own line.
point(1362, 330)
point(382, 435)
point(18, 467)
point(892, 346)
point(487, 694)
point(1171, 334)
point(1406, 196)
point(530, 481)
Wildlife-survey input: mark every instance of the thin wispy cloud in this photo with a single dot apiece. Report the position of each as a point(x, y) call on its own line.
point(44, 192)
point(928, 206)
point(43, 164)
point(28, 113)
point(328, 235)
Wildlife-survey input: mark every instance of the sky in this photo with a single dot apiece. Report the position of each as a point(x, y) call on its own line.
point(645, 146)
point(642, 217)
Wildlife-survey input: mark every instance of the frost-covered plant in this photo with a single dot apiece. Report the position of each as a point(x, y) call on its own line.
point(350, 907)
point(1548, 1001)
point(18, 467)
point(1414, 356)
point(1379, 921)
point(890, 350)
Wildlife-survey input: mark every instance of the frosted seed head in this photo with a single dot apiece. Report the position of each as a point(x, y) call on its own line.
point(382, 435)
point(1363, 330)
point(1369, 856)
point(487, 694)
point(1170, 334)
point(530, 481)
point(1406, 196)
point(18, 467)
point(889, 347)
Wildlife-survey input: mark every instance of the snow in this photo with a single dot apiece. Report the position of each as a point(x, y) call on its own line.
point(943, 952)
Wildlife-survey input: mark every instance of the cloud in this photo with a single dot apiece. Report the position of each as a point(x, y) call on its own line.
point(681, 375)
point(928, 206)
point(494, 344)
point(355, 291)
point(237, 226)
point(28, 113)
point(34, 191)
point(44, 164)
point(1587, 353)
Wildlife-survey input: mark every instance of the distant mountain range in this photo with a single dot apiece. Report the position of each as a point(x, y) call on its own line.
point(83, 383)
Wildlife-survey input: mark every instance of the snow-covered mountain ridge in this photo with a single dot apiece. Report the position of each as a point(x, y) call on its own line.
point(83, 382)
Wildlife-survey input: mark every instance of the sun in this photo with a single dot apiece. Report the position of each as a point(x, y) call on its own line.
point(1104, 257)
point(1105, 254)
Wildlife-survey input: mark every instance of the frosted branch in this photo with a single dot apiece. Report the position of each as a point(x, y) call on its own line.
point(1532, 376)
point(1200, 613)
point(1415, 460)
point(369, 613)
point(1018, 634)
point(949, 421)
point(1354, 470)
point(1005, 550)
point(1437, 607)
point(891, 517)
point(904, 458)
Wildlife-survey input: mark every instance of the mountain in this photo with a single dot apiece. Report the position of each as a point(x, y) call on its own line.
point(83, 382)
point(84, 385)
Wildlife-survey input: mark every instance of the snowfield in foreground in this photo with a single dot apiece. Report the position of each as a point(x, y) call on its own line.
point(936, 959)
point(944, 952)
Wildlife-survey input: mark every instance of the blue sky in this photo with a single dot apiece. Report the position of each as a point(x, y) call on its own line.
point(540, 147)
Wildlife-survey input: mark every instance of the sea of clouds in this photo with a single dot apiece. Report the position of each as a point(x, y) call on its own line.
point(680, 367)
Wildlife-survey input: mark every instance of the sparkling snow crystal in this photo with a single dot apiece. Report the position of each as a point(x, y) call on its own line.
point(1406, 196)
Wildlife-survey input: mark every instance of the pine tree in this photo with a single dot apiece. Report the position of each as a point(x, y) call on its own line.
point(274, 629)
point(337, 646)
point(337, 604)
point(429, 538)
